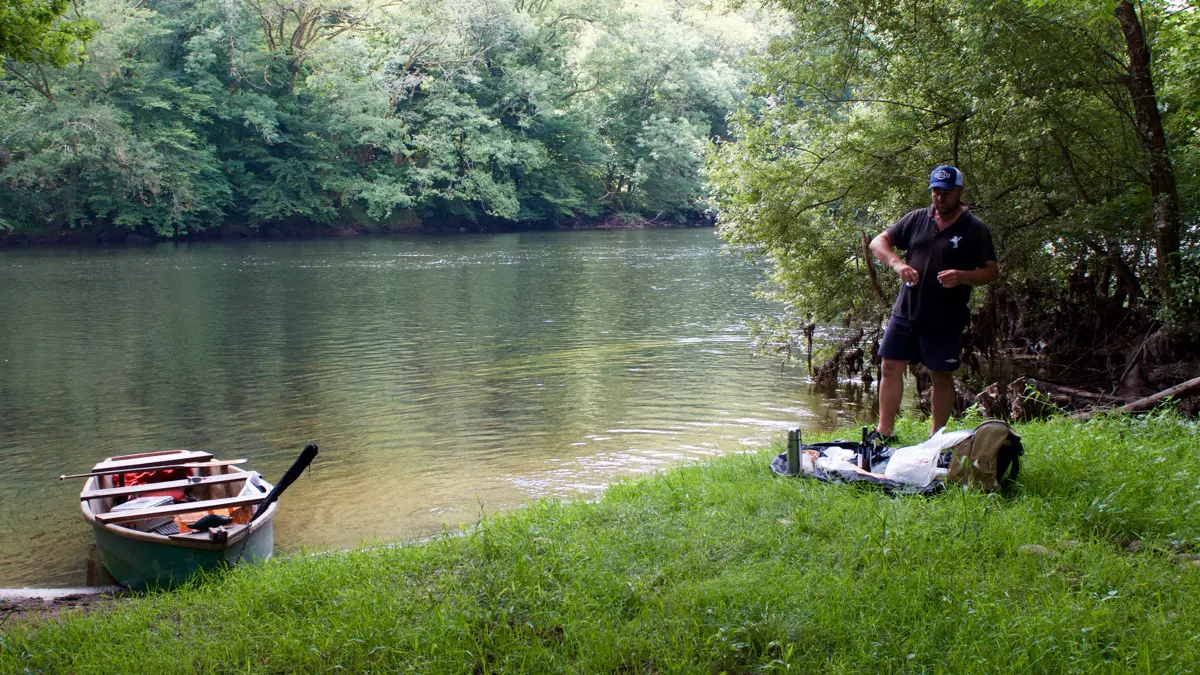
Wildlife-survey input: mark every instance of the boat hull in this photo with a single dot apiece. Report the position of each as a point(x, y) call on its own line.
point(142, 565)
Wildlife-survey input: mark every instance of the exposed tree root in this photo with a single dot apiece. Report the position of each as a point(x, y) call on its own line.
point(1033, 350)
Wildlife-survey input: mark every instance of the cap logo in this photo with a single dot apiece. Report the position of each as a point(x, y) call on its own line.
point(942, 174)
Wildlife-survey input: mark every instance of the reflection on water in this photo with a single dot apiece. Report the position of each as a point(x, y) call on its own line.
point(442, 377)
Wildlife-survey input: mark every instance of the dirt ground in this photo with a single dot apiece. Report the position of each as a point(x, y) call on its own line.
point(32, 605)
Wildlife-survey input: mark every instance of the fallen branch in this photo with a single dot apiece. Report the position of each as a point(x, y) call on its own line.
point(1181, 390)
point(1029, 398)
point(1134, 359)
point(1071, 391)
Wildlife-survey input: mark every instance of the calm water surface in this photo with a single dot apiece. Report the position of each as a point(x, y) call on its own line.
point(444, 378)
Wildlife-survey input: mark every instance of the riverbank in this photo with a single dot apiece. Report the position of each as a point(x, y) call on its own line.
point(107, 235)
point(1090, 566)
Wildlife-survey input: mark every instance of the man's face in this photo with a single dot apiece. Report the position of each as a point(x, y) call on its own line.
point(946, 201)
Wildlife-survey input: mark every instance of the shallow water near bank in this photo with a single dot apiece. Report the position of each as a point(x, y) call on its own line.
point(443, 377)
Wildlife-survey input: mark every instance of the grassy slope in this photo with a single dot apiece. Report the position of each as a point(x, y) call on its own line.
point(724, 566)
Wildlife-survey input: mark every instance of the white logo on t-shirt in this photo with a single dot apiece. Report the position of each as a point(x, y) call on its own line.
point(954, 241)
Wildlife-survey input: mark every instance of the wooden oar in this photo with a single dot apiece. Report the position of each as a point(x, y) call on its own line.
point(297, 468)
point(186, 465)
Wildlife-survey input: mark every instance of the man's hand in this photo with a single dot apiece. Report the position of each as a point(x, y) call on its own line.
point(950, 278)
point(984, 275)
point(881, 246)
point(908, 274)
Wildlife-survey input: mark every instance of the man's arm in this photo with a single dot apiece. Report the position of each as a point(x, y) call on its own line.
point(881, 246)
point(979, 277)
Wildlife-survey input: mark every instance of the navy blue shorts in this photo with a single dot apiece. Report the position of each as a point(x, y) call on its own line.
point(938, 349)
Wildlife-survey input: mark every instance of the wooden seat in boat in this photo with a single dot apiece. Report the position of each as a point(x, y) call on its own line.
point(176, 509)
point(165, 485)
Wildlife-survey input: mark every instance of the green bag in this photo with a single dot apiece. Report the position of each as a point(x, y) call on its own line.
point(989, 460)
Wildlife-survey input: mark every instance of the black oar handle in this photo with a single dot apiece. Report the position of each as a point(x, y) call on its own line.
point(298, 467)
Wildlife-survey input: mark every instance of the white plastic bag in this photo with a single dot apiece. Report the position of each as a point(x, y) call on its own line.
point(837, 459)
point(917, 464)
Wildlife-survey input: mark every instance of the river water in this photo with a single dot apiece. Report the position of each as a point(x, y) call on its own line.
point(443, 377)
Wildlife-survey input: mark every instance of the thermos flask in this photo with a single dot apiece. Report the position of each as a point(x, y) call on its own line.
point(793, 452)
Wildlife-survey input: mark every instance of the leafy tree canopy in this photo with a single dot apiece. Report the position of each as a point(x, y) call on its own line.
point(1035, 101)
point(34, 31)
point(193, 114)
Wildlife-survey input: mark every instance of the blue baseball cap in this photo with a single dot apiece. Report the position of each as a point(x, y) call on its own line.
point(945, 178)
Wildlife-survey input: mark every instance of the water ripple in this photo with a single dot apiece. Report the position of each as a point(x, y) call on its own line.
point(445, 378)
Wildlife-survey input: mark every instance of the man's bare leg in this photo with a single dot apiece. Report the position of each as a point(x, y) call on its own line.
point(943, 397)
point(891, 390)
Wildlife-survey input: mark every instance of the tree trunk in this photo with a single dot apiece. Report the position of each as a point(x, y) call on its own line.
point(1154, 140)
point(869, 261)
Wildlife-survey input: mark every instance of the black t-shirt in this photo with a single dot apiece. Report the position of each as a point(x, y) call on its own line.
point(966, 244)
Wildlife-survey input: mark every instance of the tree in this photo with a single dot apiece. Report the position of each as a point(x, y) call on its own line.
point(315, 114)
point(662, 79)
point(290, 28)
point(1140, 82)
point(35, 32)
point(117, 147)
point(1033, 100)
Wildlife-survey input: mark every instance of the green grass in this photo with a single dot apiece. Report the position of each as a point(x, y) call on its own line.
point(723, 567)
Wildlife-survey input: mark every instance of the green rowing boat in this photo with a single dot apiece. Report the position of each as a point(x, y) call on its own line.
point(140, 508)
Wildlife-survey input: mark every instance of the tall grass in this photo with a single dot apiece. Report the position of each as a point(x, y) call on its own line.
point(724, 567)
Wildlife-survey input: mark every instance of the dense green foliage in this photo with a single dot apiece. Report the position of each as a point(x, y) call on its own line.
point(36, 32)
point(190, 114)
point(1032, 99)
point(724, 567)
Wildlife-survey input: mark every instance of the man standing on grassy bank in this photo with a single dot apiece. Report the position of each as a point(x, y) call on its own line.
point(947, 252)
